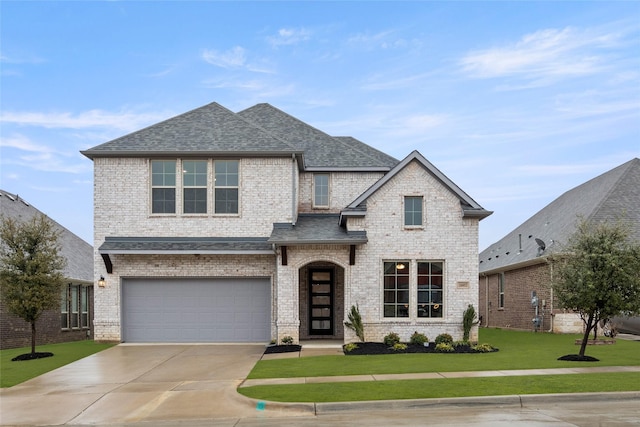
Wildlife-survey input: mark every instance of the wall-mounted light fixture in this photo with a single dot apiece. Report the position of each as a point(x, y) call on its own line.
point(102, 283)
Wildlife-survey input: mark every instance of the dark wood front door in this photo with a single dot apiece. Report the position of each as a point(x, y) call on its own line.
point(321, 302)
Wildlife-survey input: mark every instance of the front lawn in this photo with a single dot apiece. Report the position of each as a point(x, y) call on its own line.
point(12, 373)
point(518, 350)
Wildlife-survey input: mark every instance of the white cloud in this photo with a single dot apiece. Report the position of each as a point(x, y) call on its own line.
point(545, 54)
point(289, 36)
point(232, 58)
point(23, 143)
point(124, 120)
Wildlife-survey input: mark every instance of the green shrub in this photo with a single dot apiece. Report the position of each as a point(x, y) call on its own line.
point(418, 338)
point(460, 343)
point(399, 346)
point(350, 347)
point(391, 339)
point(444, 339)
point(355, 322)
point(287, 340)
point(444, 348)
point(483, 348)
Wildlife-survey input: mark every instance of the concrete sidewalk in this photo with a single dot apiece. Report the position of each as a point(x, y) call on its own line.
point(435, 375)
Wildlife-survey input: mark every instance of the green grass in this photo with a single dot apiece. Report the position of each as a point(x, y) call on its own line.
point(441, 388)
point(12, 373)
point(518, 350)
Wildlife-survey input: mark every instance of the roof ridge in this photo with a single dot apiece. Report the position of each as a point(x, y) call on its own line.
point(340, 140)
point(627, 167)
point(252, 123)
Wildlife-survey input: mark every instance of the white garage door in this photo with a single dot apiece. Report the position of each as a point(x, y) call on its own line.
point(196, 310)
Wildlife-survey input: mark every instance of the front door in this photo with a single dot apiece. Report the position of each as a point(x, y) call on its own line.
point(321, 301)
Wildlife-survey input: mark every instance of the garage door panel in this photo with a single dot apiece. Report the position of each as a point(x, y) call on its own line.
point(196, 310)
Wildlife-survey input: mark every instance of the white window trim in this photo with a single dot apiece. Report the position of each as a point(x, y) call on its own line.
point(208, 189)
point(178, 196)
point(213, 190)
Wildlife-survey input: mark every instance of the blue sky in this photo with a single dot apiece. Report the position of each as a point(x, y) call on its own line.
point(516, 102)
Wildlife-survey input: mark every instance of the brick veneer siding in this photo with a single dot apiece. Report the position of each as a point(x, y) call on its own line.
point(344, 188)
point(15, 332)
point(445, 236)
point(518, 284)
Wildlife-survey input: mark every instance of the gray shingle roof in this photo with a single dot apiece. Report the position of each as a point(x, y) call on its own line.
point(612, 196)
point(77, 252)
point(185, 245)
point(211, 129)
point(320, 149)
point(262, 130)
point(315, 229)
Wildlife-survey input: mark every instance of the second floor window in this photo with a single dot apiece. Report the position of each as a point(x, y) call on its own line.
point(226, 186)
point(194, 183)
point(412, 211)
point(321, 190)
point(163, 186)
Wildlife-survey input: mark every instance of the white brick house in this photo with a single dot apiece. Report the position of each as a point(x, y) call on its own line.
point(216, 226)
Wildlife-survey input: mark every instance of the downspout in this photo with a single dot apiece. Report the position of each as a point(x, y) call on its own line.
point(486, 300)
point(552, 315)
point(294, 217)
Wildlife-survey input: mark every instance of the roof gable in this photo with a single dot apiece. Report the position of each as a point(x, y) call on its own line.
point(612, 196)
point(470, 207)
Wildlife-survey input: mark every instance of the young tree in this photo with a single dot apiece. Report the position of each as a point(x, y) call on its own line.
point(598, 274)
point(31, 276)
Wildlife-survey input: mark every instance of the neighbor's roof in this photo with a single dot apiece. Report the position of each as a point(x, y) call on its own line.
point(77, 252)
point(612, 196)
point(470, 208)
point(320, 229)
point(261, 131)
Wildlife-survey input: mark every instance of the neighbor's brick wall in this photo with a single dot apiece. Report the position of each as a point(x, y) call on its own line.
point(344, 188)
point(15, 332)
point(518, 284)
point(122, 208)
point(445, 236)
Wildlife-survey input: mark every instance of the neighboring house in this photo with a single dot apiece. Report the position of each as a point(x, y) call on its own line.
point(73, 321)
point(516, 266)
point(215, 226)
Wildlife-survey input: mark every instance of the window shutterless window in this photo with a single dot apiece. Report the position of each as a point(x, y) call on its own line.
point(321, 190)
point(64, 308)
point(194, 186)
point(396, 289)
point(163, 186)
point(501, 290)
point(413, 211)
point(226, 186)
point(84, 307)
point(75, 314)
point(430, 289)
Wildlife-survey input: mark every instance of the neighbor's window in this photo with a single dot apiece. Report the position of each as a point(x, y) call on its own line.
point(226, 186)
point(74, 307)
point(163, 186)
point(501, 290)
point(430, 289)
point(194, 183)
point(321, 190)
point(396, 289)
point(413, 211)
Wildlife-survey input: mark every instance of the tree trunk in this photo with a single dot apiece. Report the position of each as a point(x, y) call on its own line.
point(33, 337)
point(585, 338)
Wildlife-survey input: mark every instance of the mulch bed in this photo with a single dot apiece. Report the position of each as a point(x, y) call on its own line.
point(578, 358)
point(287, 348)
point(32, 356)
point(365, 348)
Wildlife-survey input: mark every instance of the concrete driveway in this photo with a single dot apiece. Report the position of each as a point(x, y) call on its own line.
point(134, 383)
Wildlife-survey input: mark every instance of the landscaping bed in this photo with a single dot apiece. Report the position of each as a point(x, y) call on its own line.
point(371, 348)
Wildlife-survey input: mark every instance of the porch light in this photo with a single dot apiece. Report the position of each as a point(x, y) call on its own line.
point(102, 283)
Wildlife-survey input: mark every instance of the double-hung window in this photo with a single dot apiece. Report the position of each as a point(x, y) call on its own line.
point(430, 289)
point(226, 186)
point(413, 211)
point(321, 190)
point(194, 186)
point(501, 290)
point(163, 186)
point(396, 289)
